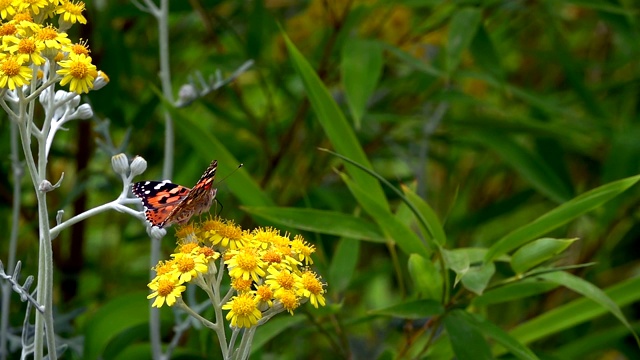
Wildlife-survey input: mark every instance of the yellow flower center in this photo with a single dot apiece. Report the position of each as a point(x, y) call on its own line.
point(312, 284)
point(10, 67)
point(207, 251)
point(185, 264)
point(7, 29)
point(241, 284)
point(47, 33)
point(187, 248)
point(272, 256)
point(246, 260)
point(74, 8)
point(26, 46)
point(289, 300)
point(243, 305)
point(264, 292)
point(286, 280)
point(165, 287)
point(230, 231)
point(164, 268)
point(5, 3)
point(23, 16)
point(79, 70)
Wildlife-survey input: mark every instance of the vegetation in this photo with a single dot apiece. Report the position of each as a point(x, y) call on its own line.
point(466, 172)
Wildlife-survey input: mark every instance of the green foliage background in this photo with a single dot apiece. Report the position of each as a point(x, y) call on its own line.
point(494, 112)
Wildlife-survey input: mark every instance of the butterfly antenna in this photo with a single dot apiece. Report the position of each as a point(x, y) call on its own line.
point(221, 207)
point(231, 173)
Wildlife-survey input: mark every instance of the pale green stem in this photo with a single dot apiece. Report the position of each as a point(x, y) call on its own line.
point(244, 350)
point(18, 173)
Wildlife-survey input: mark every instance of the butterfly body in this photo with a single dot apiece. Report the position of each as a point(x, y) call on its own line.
point(166, 203)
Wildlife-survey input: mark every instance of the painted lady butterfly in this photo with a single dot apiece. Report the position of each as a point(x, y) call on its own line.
point(166, 203)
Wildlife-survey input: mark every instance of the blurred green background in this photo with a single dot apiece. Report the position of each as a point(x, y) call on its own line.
point(494, 111)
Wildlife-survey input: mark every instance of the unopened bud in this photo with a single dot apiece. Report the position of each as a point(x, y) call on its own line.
point(84, 111)
point(138, 166)
point(101, 80)
point(120, 164)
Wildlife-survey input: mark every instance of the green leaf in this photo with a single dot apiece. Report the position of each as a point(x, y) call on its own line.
point(462, 29)
point(361, 68)
point(417, 309)
point(343, 264)
point(467, 342)
point(205, 144)
point(426, 277)
point(406, 239)
point(524, 288)
point(272, 328)
point(575, 312)
point(114, 318)
point(559, 216)
point(434, 227)
point(537, 252)
point(458, 261)
point(321, 221)
point(335, 125)
point(477, 278)
point(394, 229)
point(485, 54)
point(590, 291)
point(413, 62)
point(502, 337)
point(528, 164)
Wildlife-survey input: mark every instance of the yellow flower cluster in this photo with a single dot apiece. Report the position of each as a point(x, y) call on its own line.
point(266, 269)
point(28, 43)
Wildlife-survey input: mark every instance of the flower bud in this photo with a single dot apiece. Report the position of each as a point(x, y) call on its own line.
point(101, 81)
point(120, 164)
point(84, 111)
point(138, 166)
point(187, 94)
point(46, 186)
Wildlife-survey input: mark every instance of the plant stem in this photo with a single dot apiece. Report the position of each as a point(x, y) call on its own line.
point(18, 173)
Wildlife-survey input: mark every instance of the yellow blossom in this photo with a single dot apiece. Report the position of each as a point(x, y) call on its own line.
point(13, 73)
point(165, 289)
point(302, 249)
point(27, 49)
point(283, 279)
point(289, 300)
point(189, 266)
point(72, 11)
point(79, 71)
point(33, 5)
point(7, 8)
point(243, 310)
point(226, 234)
point(312, 288)
point(245, 263)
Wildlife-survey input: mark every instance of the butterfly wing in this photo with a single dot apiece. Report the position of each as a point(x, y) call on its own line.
point(160, 199)
point(198, 200)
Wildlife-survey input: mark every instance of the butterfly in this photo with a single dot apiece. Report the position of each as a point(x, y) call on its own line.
point(166, 203)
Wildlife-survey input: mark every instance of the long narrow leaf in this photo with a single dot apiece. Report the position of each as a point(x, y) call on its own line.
point(321, 221)
point(334, 124)
point(559, 216)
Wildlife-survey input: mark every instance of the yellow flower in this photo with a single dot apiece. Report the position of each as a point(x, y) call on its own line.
point(72, 11)
point(13, 73)
point(189, 265)
point(243, 310)
point(264, 295)
point(33, 5)
point(8, 29)
point(283, 279)
point(312, 288)
point(7, 8)
point(27, 49)
point(52, 38)
point(302, 249)
point(226, 234)
point(166, 290)
point(245, 263)
point(289, 300)
point(241, 285)
point(264, 237)
point(78, 70)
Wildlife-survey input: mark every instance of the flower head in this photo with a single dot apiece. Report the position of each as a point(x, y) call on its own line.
point(79, 71)
point(7, 8)
point(243, 310)
point(13, 73)
point(312, 288)
point(245, 263)
point(71, 11)
point(165, 289)
point(189, 265)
